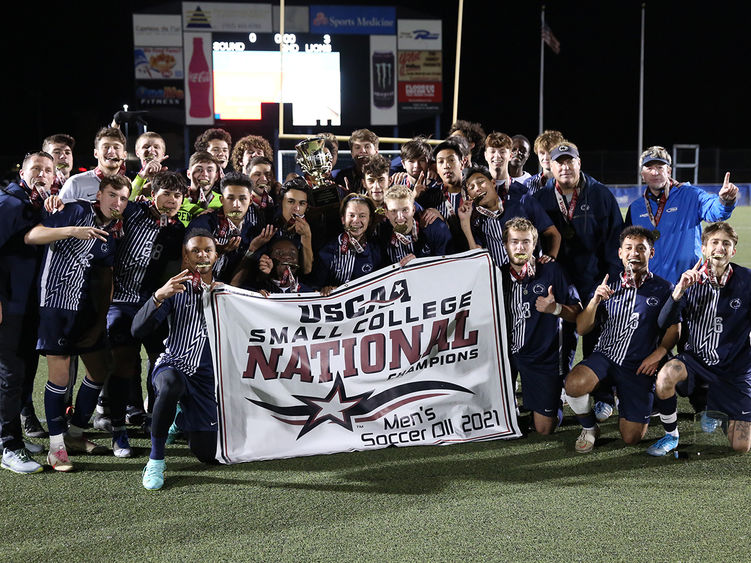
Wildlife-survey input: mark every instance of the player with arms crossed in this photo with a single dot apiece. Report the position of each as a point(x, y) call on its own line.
point(713, 300)
point(627, 310)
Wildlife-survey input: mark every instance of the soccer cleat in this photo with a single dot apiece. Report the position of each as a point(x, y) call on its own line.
point(121, 445)
point(585, 443)
point(19, 461)
point(134, 415)
point(173, 434)
point(33, 448)
point(708, 424)
point(59, 461)
point(603, 411)
point(32, 427)
point(153, 474)
point(664, 445)
point(101, 422)
point(83, 445)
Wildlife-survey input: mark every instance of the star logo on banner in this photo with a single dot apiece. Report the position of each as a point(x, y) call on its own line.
point(340, 409)
point(335, 407)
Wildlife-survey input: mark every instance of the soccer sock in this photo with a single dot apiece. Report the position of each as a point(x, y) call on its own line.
point(582, 410)
point(54, 408)
point(119, 388)
point(85, 402)
point(668, 409)
point(157, 447)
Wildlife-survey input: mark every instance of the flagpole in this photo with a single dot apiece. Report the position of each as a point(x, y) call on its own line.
point(641, 92)
point(542, 67)
point(458, 60)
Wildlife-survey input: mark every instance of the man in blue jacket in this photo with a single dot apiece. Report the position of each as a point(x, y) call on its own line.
point(674, 213)
point(21, 209)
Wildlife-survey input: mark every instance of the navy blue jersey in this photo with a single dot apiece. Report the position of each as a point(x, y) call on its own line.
point(589, 243)
point(431, 240)
point(144, 253)
point(719, 322)
point(628, 320)
point(187, 343)
point(67, 263)
point(224, 230)
point(488, 231)
point(19, 262)
point(533, 335)
point(334, 266)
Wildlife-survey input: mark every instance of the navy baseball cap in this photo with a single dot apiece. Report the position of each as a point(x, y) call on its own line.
point(653, 158)
point(564, 150)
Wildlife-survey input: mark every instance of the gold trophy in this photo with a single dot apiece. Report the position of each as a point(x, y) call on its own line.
point(315, 163)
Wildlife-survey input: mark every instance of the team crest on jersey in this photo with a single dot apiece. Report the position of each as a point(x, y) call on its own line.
point(671, 209)
point(653, 301)
point(584, 207)
point(105, 247)
point(367, 268)
point(735, 303)
point(538, 289)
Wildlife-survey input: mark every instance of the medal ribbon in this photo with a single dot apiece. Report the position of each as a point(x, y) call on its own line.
point(709, 276)
point(568, 213)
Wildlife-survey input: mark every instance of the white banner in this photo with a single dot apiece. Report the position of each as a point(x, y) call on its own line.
point(411, 356)
point(223, 16)
point(419, 35)
point(199, 93)
point(155, 30)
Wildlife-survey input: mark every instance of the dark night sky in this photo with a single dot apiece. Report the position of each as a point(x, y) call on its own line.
point(71, 69)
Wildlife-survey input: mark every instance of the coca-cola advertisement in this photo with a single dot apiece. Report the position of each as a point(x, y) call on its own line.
point(199, 96)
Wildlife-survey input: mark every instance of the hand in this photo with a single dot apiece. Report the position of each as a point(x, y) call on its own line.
point(326, 290)
point(429, 216)
point(263, 238)
point(88, 233)
point(432, 174)
point(603, 292)
point(302, 227)
point(346, 185)
point(264, 292)
point(465, 211)
point(231, 246)
point(420, 186)
point(173, 286)
point(546, 303)
point(265, 264)
point(729, 191)
point(688, 278)
point(650, 364)
point(398, 178)
point(544, 259)
point(216, 285)
point(406, 260)
point(53, 204)
point(141, 198)
point(152, 167)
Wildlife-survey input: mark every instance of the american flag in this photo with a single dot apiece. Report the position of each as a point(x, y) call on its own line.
point(550, 39)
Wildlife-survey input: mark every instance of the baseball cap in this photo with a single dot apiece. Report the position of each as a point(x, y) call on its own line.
point(653, 158)
point(564, 150)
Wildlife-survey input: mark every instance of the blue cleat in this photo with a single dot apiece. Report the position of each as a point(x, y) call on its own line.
point(153, 474)
point(708, 424)
point(602, 411)
point(662, 446)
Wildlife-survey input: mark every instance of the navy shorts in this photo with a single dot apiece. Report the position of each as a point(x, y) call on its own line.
point(635, 390)
point(66, 333)
point(728, 392)
point(198, 403)
point(119, 322)
point(541, 385)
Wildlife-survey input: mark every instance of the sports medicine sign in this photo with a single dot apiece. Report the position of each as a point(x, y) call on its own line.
point(403, 356)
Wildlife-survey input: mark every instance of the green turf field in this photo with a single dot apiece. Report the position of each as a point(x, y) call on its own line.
point(531, 499)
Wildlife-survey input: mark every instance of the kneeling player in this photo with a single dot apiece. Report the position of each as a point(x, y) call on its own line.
point(184, 372)
point(530, 290)
point(713, 300)
point(627, 311)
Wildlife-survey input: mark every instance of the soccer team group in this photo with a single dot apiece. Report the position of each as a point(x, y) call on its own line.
point(97, 264)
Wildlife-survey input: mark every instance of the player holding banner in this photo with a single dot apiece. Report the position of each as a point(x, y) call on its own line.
point(713, 300)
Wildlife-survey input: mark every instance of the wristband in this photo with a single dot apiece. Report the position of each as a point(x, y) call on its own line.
point(558, 308)
point(156, 301)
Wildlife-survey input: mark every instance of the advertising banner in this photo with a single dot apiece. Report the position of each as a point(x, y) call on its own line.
point(158, 63)
point(221, 16)
point(402, 357)
point(357, 20)
point(383, 109)
point(199, 99)
point(420, 66)
point(419, 35)
point(155, 30)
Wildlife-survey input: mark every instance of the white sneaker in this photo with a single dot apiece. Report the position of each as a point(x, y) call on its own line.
point(19, 461)
point(602, 411)
point(585, 443)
